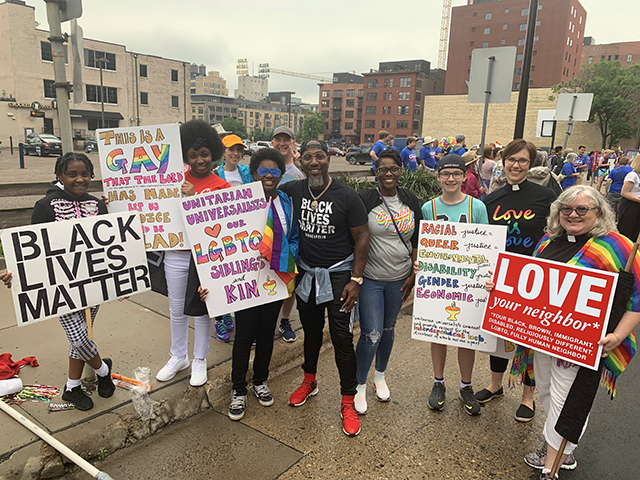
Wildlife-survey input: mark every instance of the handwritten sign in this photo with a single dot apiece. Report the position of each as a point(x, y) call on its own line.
point(454, 261)
point(559, 309)
point(225, 229)
point(64, 267)
point(142, 171)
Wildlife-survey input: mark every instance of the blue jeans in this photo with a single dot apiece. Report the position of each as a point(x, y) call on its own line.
point(379, 304)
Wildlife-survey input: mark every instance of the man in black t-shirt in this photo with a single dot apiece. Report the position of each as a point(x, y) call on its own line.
point(334, 245)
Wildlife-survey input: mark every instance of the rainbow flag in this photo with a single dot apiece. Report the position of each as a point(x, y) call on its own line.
point(275, 248)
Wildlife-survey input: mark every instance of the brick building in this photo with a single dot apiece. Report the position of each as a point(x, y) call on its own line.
point(139, 89)
point(394, 97)
point(557, 50)
point(628, 53)
point(341, 107)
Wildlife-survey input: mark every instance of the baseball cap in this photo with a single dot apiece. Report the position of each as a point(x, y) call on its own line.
point(283, 129)
point(314, 143)
point(230, 140)
point(452, 161)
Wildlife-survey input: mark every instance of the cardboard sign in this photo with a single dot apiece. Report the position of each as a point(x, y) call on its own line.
point(559, 309)
point(142, 171)
point(225, 229)
point(454, 261)
point(64, 267)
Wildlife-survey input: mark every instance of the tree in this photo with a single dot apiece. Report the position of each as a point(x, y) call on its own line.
point(616, 97)
point(312, 127)
point(265, 134)
point(230, 124)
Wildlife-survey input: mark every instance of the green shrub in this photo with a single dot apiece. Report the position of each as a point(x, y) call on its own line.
point(424, 184)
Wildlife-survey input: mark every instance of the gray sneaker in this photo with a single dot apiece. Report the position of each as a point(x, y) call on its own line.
point(437, 397)
point(538, 459)
point(471, 405)
point(236, 408)
point(264, 395)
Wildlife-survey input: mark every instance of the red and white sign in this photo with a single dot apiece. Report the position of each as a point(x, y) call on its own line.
point(559, 309)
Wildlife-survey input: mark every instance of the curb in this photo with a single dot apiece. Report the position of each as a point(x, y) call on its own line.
point(100, 436)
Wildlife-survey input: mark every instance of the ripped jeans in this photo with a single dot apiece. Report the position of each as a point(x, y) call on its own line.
point(379, 304)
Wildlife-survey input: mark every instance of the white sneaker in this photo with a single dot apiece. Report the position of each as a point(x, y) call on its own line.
point(380, 384)
point(361, 399)
point(173, 366)
point(198, 372)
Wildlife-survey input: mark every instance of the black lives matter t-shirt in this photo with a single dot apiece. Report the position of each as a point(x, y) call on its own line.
point(524, 209)
point(325, 235)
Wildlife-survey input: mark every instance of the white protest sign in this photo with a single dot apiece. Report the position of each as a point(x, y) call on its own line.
point(142, 170)
point(63, 267)
point(454, 261)
point(225, 228)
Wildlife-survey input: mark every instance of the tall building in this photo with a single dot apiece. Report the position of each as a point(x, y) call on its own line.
point(212, 83)
point(252, 88)
point(394, 97)
point(557, 51)
point(139, 89)
point(341, 107)
point(628, 53)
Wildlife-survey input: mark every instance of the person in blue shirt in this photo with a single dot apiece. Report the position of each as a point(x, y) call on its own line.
point(390, 142)
point(378, 147)
point(581, 163)
point(408, 155)
point(430, 154)
point(458, 148)
point(569, 171)
point(615, 181)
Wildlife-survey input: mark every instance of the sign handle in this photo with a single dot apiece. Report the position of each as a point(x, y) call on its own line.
point(87, 315)
point(556, 462)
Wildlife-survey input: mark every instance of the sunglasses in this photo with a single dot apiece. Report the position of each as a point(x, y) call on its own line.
point(264, 171)
point(581, 211)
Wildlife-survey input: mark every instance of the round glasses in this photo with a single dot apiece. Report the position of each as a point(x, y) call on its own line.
point(385, 170)
point(318, 156)
point(446, 175)
point(520, 161)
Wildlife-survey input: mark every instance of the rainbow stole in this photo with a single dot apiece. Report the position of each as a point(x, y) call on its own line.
point(602, 253)
point(275, 248)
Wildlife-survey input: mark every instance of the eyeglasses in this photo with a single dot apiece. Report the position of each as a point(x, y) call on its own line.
point(319, 156)
point(581, 211)
point(264, 171)
point(520, 161)
point(384, 170)
point(446, 175)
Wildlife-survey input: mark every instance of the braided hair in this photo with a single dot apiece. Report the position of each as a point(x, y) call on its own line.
point(67, 158)
point(197, 134)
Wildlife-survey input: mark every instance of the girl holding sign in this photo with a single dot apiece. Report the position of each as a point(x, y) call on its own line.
point(74, 172)
point(258, 323)
point(581, 231)
point(200, 145)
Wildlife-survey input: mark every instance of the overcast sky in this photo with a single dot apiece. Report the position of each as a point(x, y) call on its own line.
point(301, 36)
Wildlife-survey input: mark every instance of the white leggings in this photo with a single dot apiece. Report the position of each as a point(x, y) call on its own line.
point(553, 382)
point(176, 271)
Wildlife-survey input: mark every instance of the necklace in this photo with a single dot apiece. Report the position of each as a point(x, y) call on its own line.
point(314, 204)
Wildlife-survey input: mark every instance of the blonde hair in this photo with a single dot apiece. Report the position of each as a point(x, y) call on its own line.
point(635, 163)
point(605, 222)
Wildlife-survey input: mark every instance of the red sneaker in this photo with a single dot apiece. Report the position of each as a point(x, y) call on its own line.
point(309, 388)
point(350, 420)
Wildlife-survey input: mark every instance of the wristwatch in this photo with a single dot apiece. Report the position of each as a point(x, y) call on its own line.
point(358, 280)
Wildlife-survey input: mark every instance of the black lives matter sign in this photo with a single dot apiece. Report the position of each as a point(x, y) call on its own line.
point(63, 267)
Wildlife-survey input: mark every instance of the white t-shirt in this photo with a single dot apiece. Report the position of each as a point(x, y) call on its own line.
point(291, 173)
point(233, 178)
point(635, 178)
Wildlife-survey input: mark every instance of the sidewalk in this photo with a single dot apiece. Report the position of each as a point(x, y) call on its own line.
point(133, 333)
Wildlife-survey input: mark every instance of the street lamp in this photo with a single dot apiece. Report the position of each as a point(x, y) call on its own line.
point(102, 61)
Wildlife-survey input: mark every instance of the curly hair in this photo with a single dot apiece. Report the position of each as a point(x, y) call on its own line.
point(266, 154)
point(392, 154)
point(67, 158)
point(605, 223)
point(197, 134)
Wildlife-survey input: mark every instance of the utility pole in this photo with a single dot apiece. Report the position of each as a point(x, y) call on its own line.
point(526, 70)
point(62, 87)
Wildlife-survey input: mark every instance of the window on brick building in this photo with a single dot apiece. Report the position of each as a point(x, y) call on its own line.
point(520, 42)
point(517, 71)
point(348, 126)
point(372, 83)
point(402, 124)
point(519, 57)
point(325, 93)
point(370, 110)
point(405, 82)
point(372, 97)
point(351, 93)
point(516, 86)
point(504, 26)
point(590, 60)
point(485, 44)
point(404, 95)
point(487, 16)
point(369, 124)
point(523, 27)
point(525, 12)
point(368, 138)
point(472, 43)
point(348, 114)
point(473, 29)
point(475, 14)
point(351, 103)
point(487, 30)
point(502, 42)
point(506, 10)
point(629, 58)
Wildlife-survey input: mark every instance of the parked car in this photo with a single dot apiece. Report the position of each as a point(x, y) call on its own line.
point(335, 152)
point(263, 144)
point(91, 144)
point(362, 156)
point(631, 153)
point(42, 145)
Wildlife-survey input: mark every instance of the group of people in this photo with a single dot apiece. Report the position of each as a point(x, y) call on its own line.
point(356, 256)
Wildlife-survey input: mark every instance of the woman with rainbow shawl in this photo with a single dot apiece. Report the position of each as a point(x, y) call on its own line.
point(580, 231)
point(280, 246)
